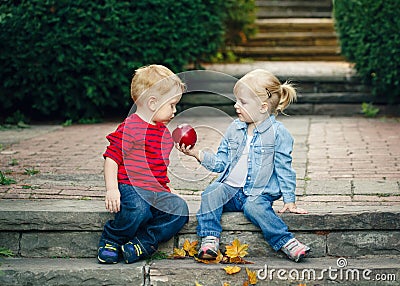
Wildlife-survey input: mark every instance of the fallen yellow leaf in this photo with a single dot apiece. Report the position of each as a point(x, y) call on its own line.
point(213, 261)
point(197, 283)
point(190, 247)
point(236, 249)
point(252, 275)
point(232, 269)
point(226, 284)
point(179, 253)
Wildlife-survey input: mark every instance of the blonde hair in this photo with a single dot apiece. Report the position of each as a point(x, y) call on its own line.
point(269, 89)
point(153, 79)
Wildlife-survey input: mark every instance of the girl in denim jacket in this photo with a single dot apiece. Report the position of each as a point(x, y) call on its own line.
point(254, 159)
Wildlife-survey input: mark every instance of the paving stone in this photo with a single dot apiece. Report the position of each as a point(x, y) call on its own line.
point(363, 187)
point(361, 243)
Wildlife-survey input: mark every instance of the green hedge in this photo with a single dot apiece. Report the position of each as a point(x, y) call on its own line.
point(369, 36)
point(75, 59)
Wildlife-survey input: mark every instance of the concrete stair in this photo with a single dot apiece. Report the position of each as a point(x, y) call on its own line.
point(55, 242)
point(292, 31)
point(293, 9)
point(324, 88)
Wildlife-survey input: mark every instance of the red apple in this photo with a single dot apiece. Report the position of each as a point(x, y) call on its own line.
point(184, 134)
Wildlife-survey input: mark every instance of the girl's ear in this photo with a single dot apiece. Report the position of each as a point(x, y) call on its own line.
point(152, 103)
point(264, 107)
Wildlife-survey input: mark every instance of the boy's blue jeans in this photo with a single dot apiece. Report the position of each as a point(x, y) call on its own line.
point(219, 197)
point(147, 216)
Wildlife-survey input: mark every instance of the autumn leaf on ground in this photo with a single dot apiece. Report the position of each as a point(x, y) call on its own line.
point(190, 247)
point(239, 260)
point(232, 269)
point(226, 284)
point(236, 249)
point(178, 253)
point(252, 275)
point(212, 261)
point(246, 283)
point(197, 283)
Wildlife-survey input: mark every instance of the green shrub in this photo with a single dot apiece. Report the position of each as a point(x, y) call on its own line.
point(369, 37)
point(239, 21)
point(75, 59)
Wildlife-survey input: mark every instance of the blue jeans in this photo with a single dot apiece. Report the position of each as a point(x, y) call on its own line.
point(147, 216)
point(219, 197)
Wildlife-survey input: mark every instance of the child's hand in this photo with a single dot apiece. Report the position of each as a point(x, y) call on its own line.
point(188, 150)
point(113, 202)
point(293, 209)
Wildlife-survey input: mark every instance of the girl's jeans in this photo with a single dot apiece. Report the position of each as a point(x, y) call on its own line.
point(219, 197)
point(147, 216)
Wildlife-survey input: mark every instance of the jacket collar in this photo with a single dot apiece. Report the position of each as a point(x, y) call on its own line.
point(264, 126)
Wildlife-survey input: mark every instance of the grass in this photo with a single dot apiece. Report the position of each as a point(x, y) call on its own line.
point(5, 252)
point(158, 255)
point(31, 171)
point(6, 181)
point(369, 110)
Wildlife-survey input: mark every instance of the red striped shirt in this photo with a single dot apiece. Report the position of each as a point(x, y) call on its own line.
point(141, 151)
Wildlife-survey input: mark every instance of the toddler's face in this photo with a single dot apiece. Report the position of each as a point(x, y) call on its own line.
point(248, 105)
point(166, 105)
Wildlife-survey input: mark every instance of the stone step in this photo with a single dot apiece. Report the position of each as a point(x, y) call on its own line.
point(294, 39)
point(279, 53)
point(324, 88)
point(269, 13)
point(294, 25)
point(293, 8)
point(378, 270)
point(64, 228)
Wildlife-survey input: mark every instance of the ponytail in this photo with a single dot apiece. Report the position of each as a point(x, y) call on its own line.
point(288, 95)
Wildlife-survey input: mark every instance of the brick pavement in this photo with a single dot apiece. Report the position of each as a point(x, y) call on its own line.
point(345, 160)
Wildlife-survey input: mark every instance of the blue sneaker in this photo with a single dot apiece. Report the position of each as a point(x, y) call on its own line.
point(133, 251)
point(108, 254)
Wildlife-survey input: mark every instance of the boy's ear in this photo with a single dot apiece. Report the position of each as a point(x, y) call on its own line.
point(264, 108)
point(151, 103)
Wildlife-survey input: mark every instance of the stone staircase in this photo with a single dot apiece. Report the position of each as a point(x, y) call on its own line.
point(55, 242)
point(294, 30)
point(324, 88)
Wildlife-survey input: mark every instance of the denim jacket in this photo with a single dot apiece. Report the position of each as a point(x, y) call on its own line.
point(269, 163)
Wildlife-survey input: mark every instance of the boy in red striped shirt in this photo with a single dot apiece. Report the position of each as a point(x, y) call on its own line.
point(135, 172)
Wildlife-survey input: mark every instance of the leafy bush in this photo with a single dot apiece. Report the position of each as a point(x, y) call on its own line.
point(369, 37)
point(239, 21)
point(74, 59)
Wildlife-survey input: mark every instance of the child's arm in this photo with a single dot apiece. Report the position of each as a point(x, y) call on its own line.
point(111, 180)
point(187, 150)
point(285, 173)
point(212, 162)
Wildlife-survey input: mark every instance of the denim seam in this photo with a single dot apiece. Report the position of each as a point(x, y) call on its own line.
point(282, 242)
point(141, 245)
point(209, 233)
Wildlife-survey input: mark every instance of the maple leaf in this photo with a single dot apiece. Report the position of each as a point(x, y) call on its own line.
point(179, 253)
point(236, 249)
point(190, 247)
point(252, 275)
point(213, 261)
point(239, 260)
point(232, 269)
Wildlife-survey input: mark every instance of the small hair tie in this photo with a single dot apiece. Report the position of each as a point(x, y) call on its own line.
point(268, 92)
